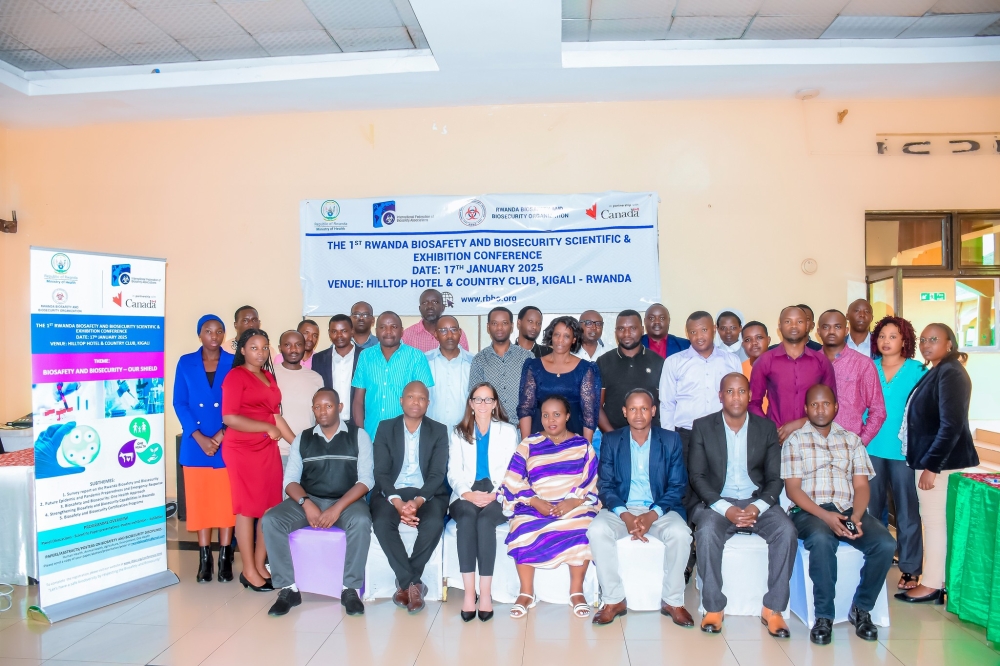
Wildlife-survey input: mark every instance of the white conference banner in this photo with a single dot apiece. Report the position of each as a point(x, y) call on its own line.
point(97, 403)
point(560, 253)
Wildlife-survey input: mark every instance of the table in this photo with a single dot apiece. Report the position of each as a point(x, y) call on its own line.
point(18, 539)
point(973, 544)
point(16, 439)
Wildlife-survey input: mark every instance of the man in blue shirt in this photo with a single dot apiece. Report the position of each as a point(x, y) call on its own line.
point(642, 484)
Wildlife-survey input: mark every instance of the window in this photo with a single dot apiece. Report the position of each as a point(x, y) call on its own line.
point(975, 305)
point(980, 238)
point(904, 241)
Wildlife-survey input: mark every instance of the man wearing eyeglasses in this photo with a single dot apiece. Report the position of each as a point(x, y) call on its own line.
point(593, 328)
point(450, 367)
point(362, 319)
point(423, 334)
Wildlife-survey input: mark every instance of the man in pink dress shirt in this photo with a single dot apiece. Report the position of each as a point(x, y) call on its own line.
point(858, 387)
point(423, 334)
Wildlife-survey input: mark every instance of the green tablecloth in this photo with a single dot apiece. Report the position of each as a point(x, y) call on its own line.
point(973, 578)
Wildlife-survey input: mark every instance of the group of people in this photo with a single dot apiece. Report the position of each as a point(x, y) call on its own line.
point(576, 445)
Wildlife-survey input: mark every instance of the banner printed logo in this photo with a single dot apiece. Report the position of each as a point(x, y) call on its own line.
point(383, 213)
point(60, 263)
point(148, 453)
point(121, 274)
point(473, 213)
point(330, 210)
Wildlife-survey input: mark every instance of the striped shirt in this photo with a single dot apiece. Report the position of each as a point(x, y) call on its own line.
point(503, 373)
point(826, 465)
point(384, 381)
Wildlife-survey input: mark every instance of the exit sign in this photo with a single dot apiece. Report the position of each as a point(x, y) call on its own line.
point(932, 296)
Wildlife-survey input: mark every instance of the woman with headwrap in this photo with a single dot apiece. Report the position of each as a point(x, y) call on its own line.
point(198, 405)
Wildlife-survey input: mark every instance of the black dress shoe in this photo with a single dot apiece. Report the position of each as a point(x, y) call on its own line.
point(822, 631)
point(350, 600)
point(225, 564)
point(287, 600)
point(266, 587)
point(485, 616)
point(467, 616)
point(863, 625)
point(937, 596)
point(205, 564)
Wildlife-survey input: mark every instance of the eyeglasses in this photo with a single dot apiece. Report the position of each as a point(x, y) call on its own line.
point(481, 401)
point(442, 331)
point(361, 315)
point(933, 340)
point(591, 322)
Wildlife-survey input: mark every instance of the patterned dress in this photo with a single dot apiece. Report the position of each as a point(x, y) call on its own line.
point(553, 472)
point(581, 386)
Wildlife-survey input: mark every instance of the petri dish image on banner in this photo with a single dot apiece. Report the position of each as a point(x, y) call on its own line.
point(133, 397)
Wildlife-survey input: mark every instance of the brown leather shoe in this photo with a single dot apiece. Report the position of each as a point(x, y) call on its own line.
point(678, 614)
point(401, 598)
point(416, 603)
point(712, 623)
point(608, 612)
point(774, 622)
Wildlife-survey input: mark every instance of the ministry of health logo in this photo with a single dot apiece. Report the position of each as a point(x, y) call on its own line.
point(330, 210)
point(473, 213)
point(60, 263)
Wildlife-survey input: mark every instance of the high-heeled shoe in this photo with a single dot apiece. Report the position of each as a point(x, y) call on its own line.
point(469, 616)
point(485, 616)
point(225, 564)
point(266, 587)
point(937, 596)
point(205, 565)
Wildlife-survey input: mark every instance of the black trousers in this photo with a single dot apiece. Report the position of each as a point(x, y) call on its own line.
point(898, 476)
point(477, 536)
point(385, 524)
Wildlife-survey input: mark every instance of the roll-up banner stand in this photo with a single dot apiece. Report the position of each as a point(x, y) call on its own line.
point(97, 399)
point(563, 253)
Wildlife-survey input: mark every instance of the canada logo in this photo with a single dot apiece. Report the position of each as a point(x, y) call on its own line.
point(592, 211)
point(117, 299)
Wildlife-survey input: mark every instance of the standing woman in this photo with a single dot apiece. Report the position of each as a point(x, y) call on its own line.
point(938, 443)
point(560, 373)
point(481, 448)
point(197, 403)
point(551, 488)
point(250, 409)
point(893, 345)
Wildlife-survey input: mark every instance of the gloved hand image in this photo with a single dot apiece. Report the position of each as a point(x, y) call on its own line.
point(47, 450)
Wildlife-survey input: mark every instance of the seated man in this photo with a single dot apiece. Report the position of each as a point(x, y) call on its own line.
point(826, 471)
point(328, 474)
point(411, 459)
point(735, 470)
point(641, 484)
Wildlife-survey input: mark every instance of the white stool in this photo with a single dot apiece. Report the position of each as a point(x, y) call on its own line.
point(380, 581)
point(849, 563)
point(551, 585)
point(641, 568)
point(744, 575)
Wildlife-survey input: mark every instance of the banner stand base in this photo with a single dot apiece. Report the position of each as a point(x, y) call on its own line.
point(102, 598)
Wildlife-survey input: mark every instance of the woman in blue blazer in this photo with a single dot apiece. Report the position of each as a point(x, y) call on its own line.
point(198, 405)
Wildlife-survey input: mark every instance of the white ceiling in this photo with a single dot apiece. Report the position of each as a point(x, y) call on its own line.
point(474, 52)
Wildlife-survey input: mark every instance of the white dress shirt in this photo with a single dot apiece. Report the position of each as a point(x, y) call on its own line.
point(738, 484)
point(689, 385)
point(343, 372)
point(451, 386)
point(600, 351)
point(864, 348)
point(410, 475)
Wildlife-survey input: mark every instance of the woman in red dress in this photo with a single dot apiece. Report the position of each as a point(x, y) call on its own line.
point(250, 409)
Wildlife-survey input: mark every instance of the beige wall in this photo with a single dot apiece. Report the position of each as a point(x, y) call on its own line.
point(749, 189)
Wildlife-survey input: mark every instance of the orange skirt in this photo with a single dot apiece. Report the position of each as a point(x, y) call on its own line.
point(208, 498)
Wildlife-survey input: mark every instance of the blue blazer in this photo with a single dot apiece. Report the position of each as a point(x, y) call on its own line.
point(668, 478)
point(199, 406)
point(674, 344)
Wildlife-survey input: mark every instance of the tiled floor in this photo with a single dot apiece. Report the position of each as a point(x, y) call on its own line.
point(225, 624)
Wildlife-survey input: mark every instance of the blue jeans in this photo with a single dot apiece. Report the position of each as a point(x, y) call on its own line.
point(875, 542)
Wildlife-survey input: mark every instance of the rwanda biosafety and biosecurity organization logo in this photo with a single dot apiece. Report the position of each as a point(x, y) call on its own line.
point(330, 210)
point(60, 263)
point(383, 214)
point(473, 213)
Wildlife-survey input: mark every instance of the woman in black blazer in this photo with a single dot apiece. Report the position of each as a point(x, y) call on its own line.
point(938, 441)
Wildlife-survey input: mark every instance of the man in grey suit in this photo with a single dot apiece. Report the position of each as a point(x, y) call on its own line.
point(735, 473)
point(411, 460)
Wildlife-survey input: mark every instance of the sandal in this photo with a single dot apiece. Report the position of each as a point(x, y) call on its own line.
point(905, 581)
point(517, 611)
point(580, 610)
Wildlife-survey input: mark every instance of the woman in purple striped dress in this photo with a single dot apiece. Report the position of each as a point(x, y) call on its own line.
point(551, 489)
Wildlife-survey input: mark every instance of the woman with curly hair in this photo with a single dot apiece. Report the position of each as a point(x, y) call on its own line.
point(561, 373)
point(893, 345)
point(251, 410)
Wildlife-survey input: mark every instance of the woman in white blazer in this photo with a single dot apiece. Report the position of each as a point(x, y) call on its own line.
point(480, 451)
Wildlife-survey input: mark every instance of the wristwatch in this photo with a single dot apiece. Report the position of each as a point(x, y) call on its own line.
point(302, 500)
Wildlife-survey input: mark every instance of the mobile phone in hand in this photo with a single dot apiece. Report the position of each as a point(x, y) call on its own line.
point(851, 527)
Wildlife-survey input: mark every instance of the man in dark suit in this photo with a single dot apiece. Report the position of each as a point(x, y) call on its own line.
point(336, 365)
point(641, 485)
point(411, 460)
point(735, 469)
